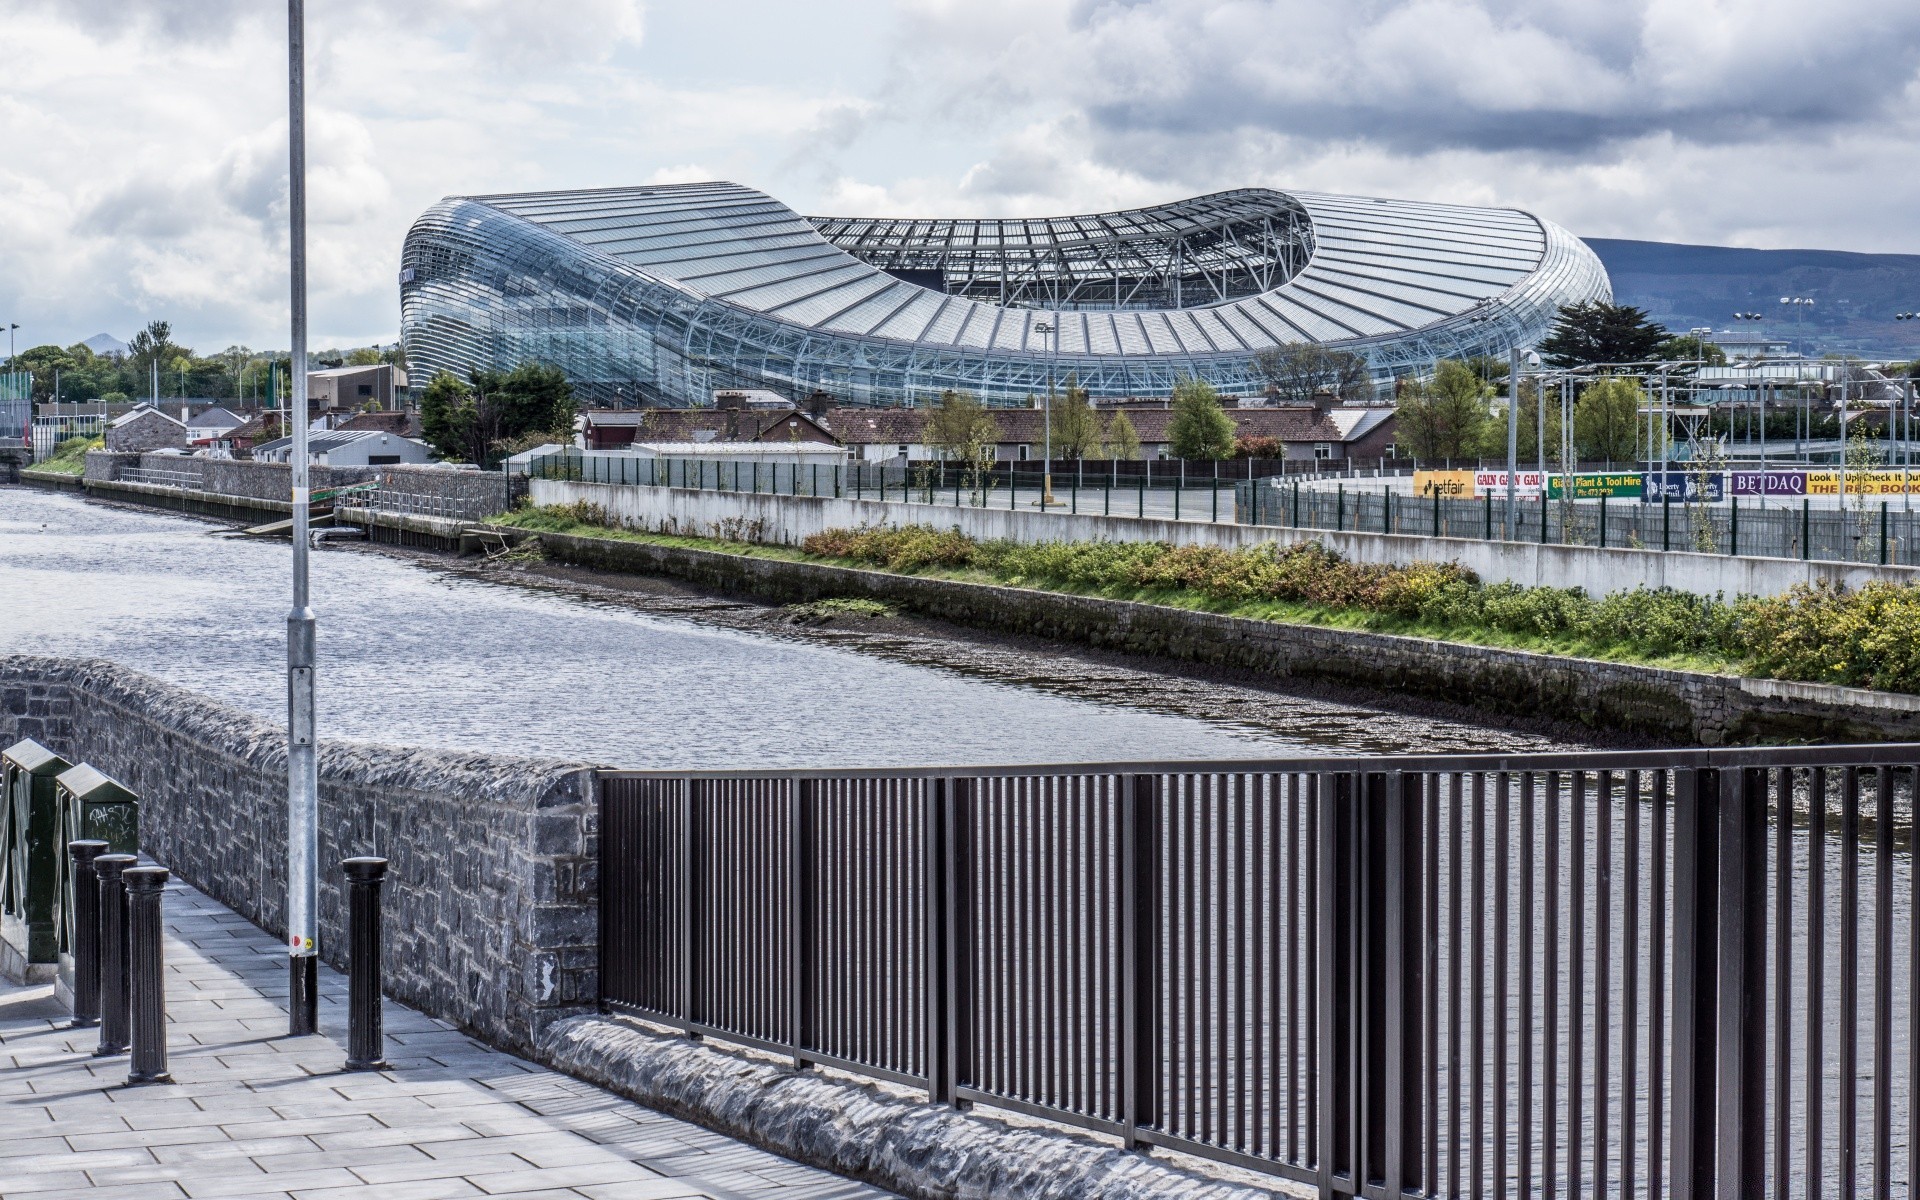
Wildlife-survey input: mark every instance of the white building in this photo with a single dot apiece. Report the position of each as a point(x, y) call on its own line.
point(350, 448)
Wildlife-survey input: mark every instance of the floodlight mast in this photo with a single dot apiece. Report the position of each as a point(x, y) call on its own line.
point(303, 781)
point(1513, 441)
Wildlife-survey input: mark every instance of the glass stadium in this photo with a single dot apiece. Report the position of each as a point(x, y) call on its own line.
point(660, 295)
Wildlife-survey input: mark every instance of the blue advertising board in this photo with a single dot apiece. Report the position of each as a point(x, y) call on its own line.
point(1684, 486)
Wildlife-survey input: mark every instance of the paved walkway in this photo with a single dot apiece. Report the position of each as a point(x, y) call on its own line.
point(256, 1114)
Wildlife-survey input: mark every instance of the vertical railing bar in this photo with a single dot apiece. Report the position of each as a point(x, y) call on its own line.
point(937, 916)
point(1550, 998)
point(1696, 955)
point(1428, 1119)
point(1242, 948)
point(1502, 856)
point(1527, 977)
point(1630, 1019)
point(1292, 869)
point(1577, 971)
point(1477, 993)
point(1192, 1058)
point(1456, 869)
point(800, 887)
point(1657, 991)
point(1815, 1057)
point(1781, 788)
point(1913, 982)
point(1882, 984)
point(1603, 978)
point(1848, 1077)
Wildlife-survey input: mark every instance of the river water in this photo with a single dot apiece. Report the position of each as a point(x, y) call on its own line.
point(416, 652)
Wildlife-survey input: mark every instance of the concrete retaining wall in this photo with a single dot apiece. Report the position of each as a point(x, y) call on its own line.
point(1679, 706)
point(789, 520)
point(491, 916)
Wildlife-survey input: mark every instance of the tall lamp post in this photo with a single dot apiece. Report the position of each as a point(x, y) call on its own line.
point(1046, 466)
point(303, 776)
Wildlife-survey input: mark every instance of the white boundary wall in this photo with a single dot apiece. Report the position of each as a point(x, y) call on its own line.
point(789, 520)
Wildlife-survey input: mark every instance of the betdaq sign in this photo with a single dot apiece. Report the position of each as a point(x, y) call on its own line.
point(1684, 485)
point(1767, 483)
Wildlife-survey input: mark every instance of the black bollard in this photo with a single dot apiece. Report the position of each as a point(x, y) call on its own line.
point(146, 968)
point(86, 932)
point(366, 1036)
point(113, 952)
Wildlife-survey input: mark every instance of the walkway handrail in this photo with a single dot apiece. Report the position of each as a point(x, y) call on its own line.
point(1415, 975)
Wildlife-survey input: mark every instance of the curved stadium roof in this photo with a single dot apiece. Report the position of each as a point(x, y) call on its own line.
point(665, 293)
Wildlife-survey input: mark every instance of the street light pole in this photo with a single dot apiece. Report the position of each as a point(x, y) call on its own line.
point(303, 776)
point(1046, 467)
point(1513, 440)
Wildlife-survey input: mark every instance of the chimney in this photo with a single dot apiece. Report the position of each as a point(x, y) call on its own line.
point(818, 403)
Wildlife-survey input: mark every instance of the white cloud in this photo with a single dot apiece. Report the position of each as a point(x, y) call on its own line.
point(145, 166)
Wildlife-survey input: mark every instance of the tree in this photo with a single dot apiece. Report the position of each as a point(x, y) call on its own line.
point(961, 430)
point(1687, 347)
point(1529, 431)
point(1298, 373)
point(1597, 332)
point(1606, 421)
point(1446, 416)
point(1199, 427)
point(446, 414)
point(365, 356)
point(154, 344)
point(1076, 431)
point(1120, 439)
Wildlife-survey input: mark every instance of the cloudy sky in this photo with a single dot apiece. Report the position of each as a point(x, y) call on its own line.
point(144, 166)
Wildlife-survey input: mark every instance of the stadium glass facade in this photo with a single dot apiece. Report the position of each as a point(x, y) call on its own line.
point(660, 295)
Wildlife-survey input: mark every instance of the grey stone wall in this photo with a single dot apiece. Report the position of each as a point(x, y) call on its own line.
point(479, 492)
point(150, 431)
point(491, 917)
point(1678, 706)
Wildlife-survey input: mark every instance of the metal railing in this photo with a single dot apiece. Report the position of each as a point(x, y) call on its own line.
point(447, 508)
point(1635, 974)
point(157, 477)
point(1864, 530)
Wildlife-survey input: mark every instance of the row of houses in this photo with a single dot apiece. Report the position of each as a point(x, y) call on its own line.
point(359, 440)
point(887, 434)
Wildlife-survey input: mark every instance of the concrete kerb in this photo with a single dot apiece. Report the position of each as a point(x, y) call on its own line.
point(919, 1149)
point(790, 520)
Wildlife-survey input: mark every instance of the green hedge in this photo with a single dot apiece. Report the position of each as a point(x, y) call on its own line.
point(1822, 634)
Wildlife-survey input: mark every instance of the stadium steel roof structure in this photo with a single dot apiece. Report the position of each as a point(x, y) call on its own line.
point(663, 294)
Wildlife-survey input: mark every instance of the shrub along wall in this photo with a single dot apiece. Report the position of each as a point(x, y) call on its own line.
point(490, 917)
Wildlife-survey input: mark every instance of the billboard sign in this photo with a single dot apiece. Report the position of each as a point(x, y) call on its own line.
point(1684, 486)
point(1599, 485)
point(1448, 485)
point(1525, 483)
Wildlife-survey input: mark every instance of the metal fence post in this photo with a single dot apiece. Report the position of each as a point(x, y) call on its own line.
point(935, 915)
point(86, 930)
point(1394, 1061)
point(1139, 868)
point(366, 1032)
point(112, 917)
point(1742, 989)
point(1337, 1137)
point(1696, 926)
point(800, 916)
point(147, 968)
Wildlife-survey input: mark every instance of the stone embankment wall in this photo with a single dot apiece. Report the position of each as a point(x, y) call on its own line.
point(789, 520)
point(1679, 706)
point(484, 491)
point(491, 916)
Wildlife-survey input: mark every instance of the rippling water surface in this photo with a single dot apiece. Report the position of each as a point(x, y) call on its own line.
point(414, 655)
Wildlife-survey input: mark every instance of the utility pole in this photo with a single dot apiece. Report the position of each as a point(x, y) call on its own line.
point(303, 775)
point(1046, 467)
point(1513, 440)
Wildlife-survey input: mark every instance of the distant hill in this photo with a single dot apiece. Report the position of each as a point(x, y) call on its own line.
point(105, 344)
point(1855, 295)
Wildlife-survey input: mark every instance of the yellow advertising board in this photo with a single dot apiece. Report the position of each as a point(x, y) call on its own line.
point(1861, 483)
point(1448, 485)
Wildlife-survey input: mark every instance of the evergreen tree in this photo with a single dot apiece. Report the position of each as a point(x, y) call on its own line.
point(1598, 332)
point(1606, 421)
point(446, 415)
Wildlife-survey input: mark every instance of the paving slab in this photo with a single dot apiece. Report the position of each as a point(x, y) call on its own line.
point(255, 1114)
